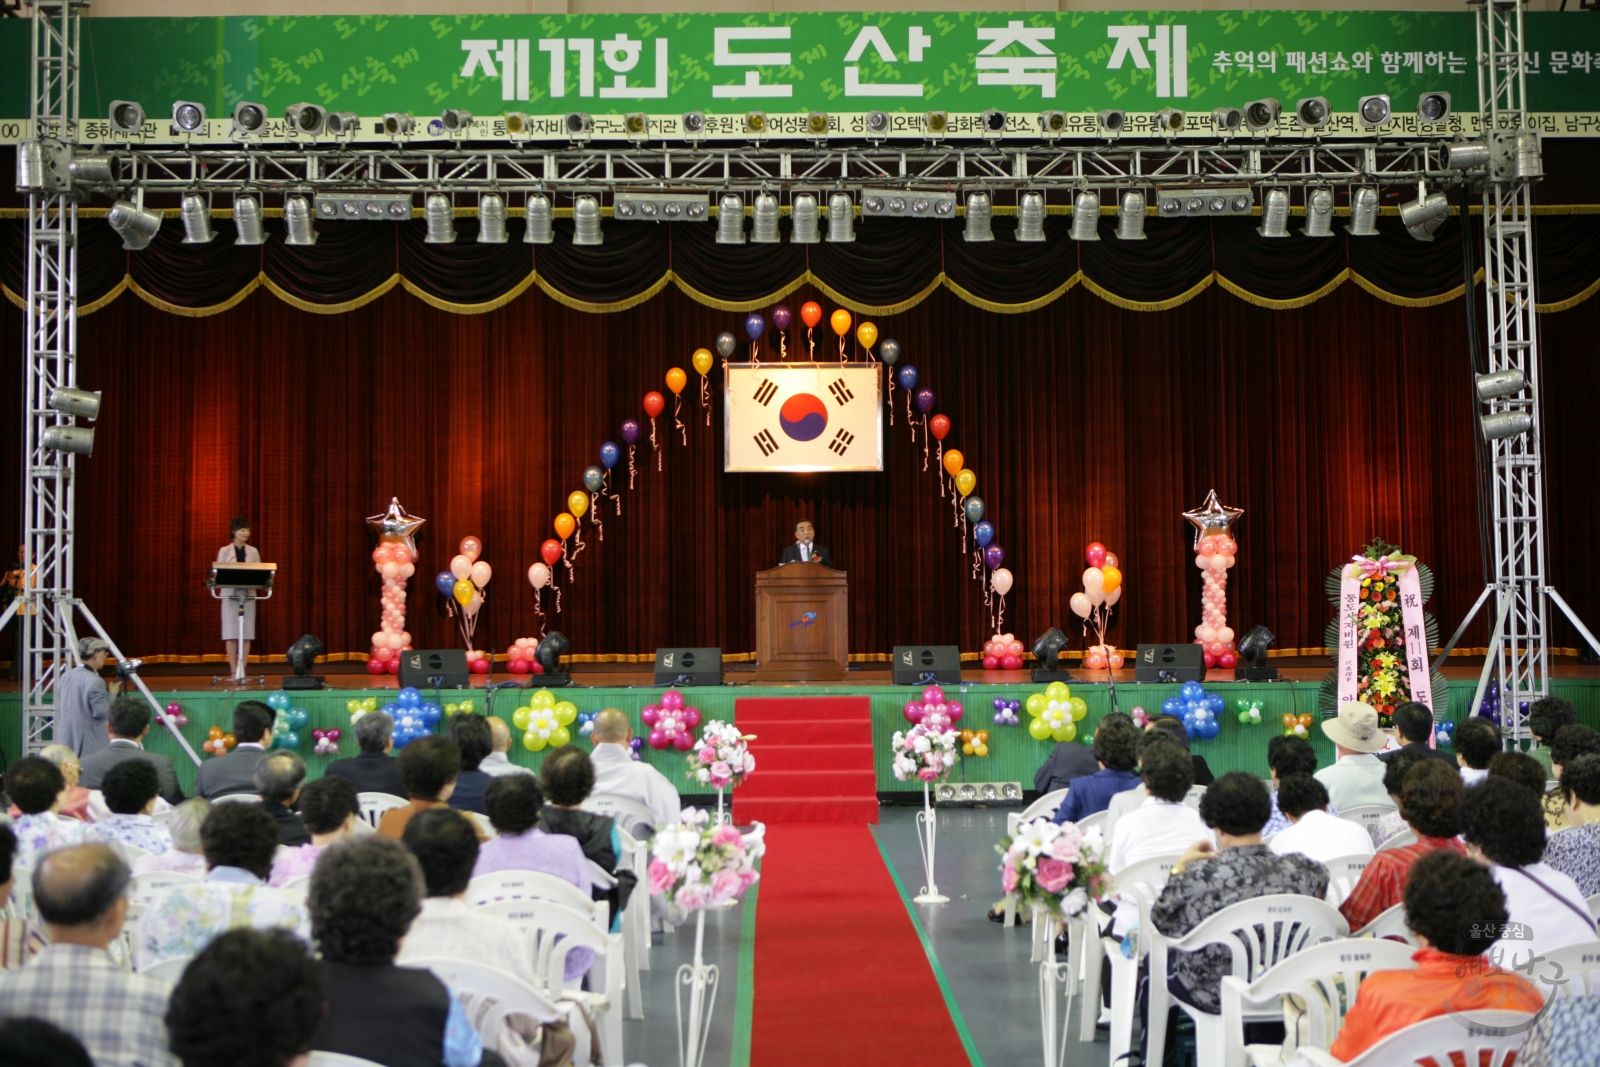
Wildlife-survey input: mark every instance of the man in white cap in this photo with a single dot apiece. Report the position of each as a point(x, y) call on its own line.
point(83, 701)
point(1356, 779)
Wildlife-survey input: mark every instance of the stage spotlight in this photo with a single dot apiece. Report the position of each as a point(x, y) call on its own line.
point(1489, 386)
point(694, 123)
point(1254, 649)
point(297, 221)
point(1130, 216)
point(1052, 121)
point(1501, 425)
point(1313, 112)
point(491, 219)
point(1460, 155)
point(248, 118)
point(817, 124)
point(519, 124)
point(455, 120)
point(1086, 216)
point(730, 220)
point(1433, 107)
point(841, 219)
point(551, 649)
point(196, 220)
point(301, 655)
point(94, 169)
point(398, 124)
point(1373, 110)
point(1529, 163)
point(980, 218)
point(935, 124)
point(1169, 120)
point(1319, 212)
point(539, 230)
point(1275, 213)
point(1047, 652)
point(764, 222)
point(1228, 119)
point(188, 117)
point(803, 215)
point(636, 124)
point(755, 122)
point(1363, 212)
point(1030, 217)
point(304, 118)
point(578, 124)
point(586, 221)
point(993, 123)
point(79, 403)
point(440, 213)
point(127, 116)
point(135, 224)
point(247, 220)
point(1425, 214)
point(1261, 115)
point(877, 123)
point(1112, 120)
point(345, 124)
point(78, 440)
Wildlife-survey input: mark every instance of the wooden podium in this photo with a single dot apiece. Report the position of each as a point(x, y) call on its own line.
point(802, 624)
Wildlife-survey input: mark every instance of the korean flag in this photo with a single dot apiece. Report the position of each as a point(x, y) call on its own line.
point(803, 417)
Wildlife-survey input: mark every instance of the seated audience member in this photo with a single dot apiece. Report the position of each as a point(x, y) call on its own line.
point(1546, 717)
point(618, 774)
point(1178, 732)
point(1576, 852)
point(329, 810)
point(1313, 832)
point(515, 805)
point(128, 726)
point(1413, 727)
point(1355, 780)
point(37, 788)
point(364, 895)
point(1564, 1035)
point(1116, 750)
point(20, 939)
point(234, 772)
point(374, 769)
point(1428, 802)
point(77, 801)
point(278, 779)
point(1476, 741)
point(1286, 755)
point(1570, 743)
point(567, 779)
point(36, 1043)
point(428, 769)
point(239, 840)
point(1067, 762)
point(187, 854)
point(1394, 776)
point(1129, 800)
point(446, 847)
point(131, 789)
point(1161, 826)
point(475, 739)
point(1504, 827)
point(1208, 878)
point(497, 764)
point(1523, 769)
point(1448, 899)
point(252, 998)
point(81, 894)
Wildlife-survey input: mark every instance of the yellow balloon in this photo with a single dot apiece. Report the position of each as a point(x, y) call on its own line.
point(1037, 703)
point(466, 707)
point(564, 525)
point(464, 592)
point(1079, 709)
point(542, 699)
point(966, 482)
point(521, 718)
point(1057, 691)
point(867, 334)
point(578, 502)
point(1066, 733)
point(1038, 729)
point(981, 749)
point(532, 741)
point(560, 737)
point(676, 380)
point(566, 711)
point(702, 361)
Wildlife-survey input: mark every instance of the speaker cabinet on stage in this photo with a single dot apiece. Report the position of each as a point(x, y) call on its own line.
point(1180, 663)
point(435, 668)
point(922, 664)
point(688, 666)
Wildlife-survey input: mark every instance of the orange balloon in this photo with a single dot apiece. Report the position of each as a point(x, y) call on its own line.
point(702, 361)
point(1112, 579)
point(565, 524)
point(840, 322)
point(953, 461)
point(867, 334)
point(811, 313)
point(676, 380)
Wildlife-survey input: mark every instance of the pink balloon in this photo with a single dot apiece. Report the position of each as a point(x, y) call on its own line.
point(691, 717)
point(914, 712)
point(1211, 661)
point(954, 711)
point(991, 663)
point(1094, 661)
point(481, 573)
point(657, 739)
point(932, 695)
point(1011, 663)
point(1095, 555)
point(1116, 661)
point(1015, 648)
point(672, 700)
point(1000, 580)
point(461, 567)
point(683, 742)
point(650, 715)
point(1081, 606)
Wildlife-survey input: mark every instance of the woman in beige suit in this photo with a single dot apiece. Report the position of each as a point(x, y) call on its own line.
point(238, 550)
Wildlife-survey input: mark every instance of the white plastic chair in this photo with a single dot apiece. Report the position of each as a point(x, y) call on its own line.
point(339, 1059)
point(237, 798)
point(170, 969)
point(161, 818)
point(535, 885)
point(1579, 974)
point(1594, 905)
point(1343, 874)
point(1046, 805)
point(483, 824)
point(20, 906)
point(626, 811)
point(130, 854)
point(1097, 821)
point(1367, 816)
point(1316, 977)
point(1142, 883)
point(301, 885)
point(1442, 1040)
point(1191, 799)
point(490, 995)
point(1389, 923)
point(1260, 933)
point(1405, 837)
point(142, 888)
point(373, 805)
point(121, 949)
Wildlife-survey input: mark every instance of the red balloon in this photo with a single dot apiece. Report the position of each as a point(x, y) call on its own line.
point(654, 403)
point(991, 663)
point(683, 742)
point(939, 425)
point(518, 666)
point(1011, 663)
point(480, 666)
point(550, 552)
point(538, 668)
point(811, 313)
point(394, 665)
point(1095, 554)
point(375, 666)
point(1211, 661)
point(1228, 660)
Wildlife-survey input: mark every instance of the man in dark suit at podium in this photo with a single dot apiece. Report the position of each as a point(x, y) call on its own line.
point(805, 548)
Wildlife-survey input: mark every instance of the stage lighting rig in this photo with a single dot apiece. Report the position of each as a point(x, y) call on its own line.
point(1433, 107)
point(841, 218)
point(764, 219)
point(1425, 214)
point(1047, 652)
point(637, 125)
point(1261, 116)
point(1254, 649)
point(1030, 216)
point(301, 655)
point(1111, 121)
point(77, 403)
point(803, 217)
point(1086, 216)
point(247, 220)
point(1313, 112)
point(980, 218)
point(188, 117)
point(1130, 216)
point(1228, 120)
point(877, 125)
point(96, 169)
point(659, 207)
point(1188, 201)
point(365, 206)
point(1463, 155)
point(126, 116)
point(519, 125)
point(456, 120)
point(1374, 111)
point(586, 221)
point(136, 224)
point(1497, 425)
point(551, 649)
point(817, 125)
point(249, 119)
point(305, 120)
point(297, 221)
point(539, 229)
point(993, 124)
point(908, 204)
point(1363, 212)
point(399, 125)
point(197, 219)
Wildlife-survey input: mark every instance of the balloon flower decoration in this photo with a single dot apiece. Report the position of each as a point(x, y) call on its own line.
point(217, 742)
point(395, 559)
point(175, 713)
point(1249, 712)
point(974, 742)
point(1002, 652)
point(544, 721)
point(1005, 712)
point(933, 710)
point(1445, 733)
point(586, 723)
point(1297, 725)
point(287, 726)
point(519, 657)
point(327, 741)
point(358, 708)
point(1141, 718)
point(1055, 713)
point(1102, 588)
point(463, 708)
point(1197, 708)
point(413, 716)
point(464, 584)
point(672, 722)
point(1214, 550)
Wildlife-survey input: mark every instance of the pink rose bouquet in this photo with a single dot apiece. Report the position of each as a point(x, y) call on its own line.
point(695, 864)
point(924, 753)
point(722, 759)
point(1056, 867)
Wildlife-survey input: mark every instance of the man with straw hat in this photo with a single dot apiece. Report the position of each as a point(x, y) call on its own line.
point(1356, 779)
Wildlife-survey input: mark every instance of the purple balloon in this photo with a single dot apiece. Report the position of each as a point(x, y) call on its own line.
point(907, 377)
point(924, 400)
point(755, 326)
point(994, 555)
point(630, 431)
point(609, 454)
point(781, 317)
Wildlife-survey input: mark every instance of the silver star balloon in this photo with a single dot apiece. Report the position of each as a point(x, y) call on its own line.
point(1213, 517)
point(396, 524)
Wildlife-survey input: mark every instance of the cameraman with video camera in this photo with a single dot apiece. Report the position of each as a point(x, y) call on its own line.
point(83, 700)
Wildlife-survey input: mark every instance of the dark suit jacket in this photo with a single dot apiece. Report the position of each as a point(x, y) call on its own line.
point(468, 794)
point(291, 831)
point(370, 772)
point(1067, 761)
point(232, 773)
point(819, 554)
point(1418, 746)
point(1202, 770)
point(96, 764)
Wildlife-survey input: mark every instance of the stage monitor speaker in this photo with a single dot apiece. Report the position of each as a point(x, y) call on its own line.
point(435, 668)
point(926, 664)
point(688, 666)
point(1169, 663)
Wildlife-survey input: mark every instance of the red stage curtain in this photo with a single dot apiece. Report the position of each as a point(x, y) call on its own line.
point(1328, 424)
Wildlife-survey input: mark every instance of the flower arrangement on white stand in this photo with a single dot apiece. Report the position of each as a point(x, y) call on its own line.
point(695, 865)
point(1057, 870)
point(927, 752)
point(721, 759)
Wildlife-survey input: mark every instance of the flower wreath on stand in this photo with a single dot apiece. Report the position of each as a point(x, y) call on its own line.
point(695, 864)
point(926, 752)
point(1055, 867)
point(722, 758)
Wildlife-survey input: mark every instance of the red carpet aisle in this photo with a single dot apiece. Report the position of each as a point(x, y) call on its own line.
point(840, 974)
point(813, 760)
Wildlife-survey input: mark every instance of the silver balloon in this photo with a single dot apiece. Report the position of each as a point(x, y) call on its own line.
point(889, 352)
point(593, 479)
point(726, 343)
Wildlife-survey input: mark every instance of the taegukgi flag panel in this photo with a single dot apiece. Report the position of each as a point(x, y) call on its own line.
point(803, 417)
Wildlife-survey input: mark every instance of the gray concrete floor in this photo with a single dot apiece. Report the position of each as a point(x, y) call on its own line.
point(653, 1040)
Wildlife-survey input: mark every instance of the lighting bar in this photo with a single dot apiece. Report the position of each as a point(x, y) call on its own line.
point(364, 206)
point(1175, 202)
point(908, 204)
point(661, 207)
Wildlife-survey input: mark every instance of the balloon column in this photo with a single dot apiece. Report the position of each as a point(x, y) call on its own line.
point(467, 577)
point(1002, 652)
point(1197, 708)
point(1102, 588)
point(1214, 549)
point(933, 710)
point(327, 741)
point(519, 657)
point(395, 559)
point(1055, 713)
point(672, 722)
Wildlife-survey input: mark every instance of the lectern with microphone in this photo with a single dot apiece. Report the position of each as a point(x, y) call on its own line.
point(240, 583)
